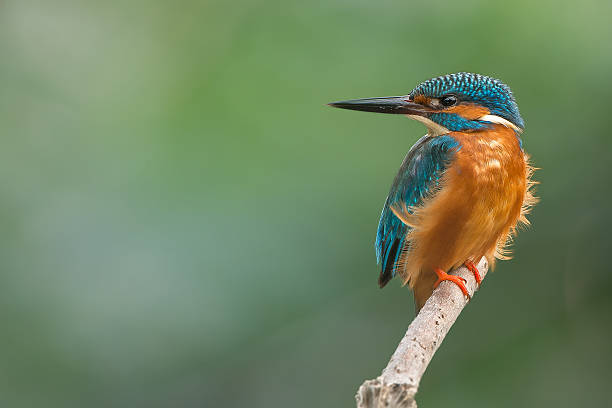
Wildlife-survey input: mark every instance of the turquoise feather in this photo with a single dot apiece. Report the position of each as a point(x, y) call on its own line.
point(417, 177)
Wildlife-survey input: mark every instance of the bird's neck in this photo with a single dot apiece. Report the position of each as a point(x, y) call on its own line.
point(497, 136)
point(475, 124)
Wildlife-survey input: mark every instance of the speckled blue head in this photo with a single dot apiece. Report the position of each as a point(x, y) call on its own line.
point(467, 89)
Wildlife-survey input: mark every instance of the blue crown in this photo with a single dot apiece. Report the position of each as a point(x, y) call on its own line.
point(479, 89)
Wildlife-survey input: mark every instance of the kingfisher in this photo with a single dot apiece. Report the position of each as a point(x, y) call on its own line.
point(462, 189)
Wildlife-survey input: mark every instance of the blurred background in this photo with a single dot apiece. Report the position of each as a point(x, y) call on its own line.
point(184, 223)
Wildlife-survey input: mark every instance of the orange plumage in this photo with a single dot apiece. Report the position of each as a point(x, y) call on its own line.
point(482, 197)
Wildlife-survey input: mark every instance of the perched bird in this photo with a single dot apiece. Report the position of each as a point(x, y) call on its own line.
point(462, 188)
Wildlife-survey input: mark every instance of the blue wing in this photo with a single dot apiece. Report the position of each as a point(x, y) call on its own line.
point(417, 177)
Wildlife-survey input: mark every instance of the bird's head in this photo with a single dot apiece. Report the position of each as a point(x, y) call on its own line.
point(462, 102)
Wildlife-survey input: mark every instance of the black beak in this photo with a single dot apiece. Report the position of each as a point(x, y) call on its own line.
point(389, 104)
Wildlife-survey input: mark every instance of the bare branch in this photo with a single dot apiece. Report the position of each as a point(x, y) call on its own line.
point(399, 381)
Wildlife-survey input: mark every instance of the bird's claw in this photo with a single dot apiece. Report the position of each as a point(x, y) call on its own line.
point(459, 281)
point(472, 268)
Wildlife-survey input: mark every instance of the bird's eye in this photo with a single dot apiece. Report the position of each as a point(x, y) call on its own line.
point(448, 100)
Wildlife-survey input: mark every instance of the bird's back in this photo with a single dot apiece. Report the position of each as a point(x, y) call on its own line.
point(417, 180)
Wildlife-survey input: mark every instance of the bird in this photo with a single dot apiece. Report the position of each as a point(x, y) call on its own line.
point(462, 189)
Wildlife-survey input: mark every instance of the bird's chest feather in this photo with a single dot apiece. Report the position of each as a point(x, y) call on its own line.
point(489, 177)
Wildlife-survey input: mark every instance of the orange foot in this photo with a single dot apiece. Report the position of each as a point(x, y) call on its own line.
point(442, 276)
point(470, 265)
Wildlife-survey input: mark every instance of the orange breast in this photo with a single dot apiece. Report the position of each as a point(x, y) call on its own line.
point(491, 172)
point(477, 207)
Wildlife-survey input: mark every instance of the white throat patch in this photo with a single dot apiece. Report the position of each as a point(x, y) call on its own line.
point(433, 129)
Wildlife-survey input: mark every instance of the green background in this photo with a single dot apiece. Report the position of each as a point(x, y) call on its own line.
point(184, 223)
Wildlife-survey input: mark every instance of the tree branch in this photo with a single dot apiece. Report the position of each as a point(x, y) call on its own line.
point(399, 381)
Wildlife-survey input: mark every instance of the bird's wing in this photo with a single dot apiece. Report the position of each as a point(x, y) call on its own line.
point(417, 178)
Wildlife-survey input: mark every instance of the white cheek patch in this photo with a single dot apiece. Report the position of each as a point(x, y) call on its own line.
point(501, 121)
point(433, 129)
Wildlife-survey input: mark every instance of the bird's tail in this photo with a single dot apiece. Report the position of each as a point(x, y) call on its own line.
point(388, 269)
